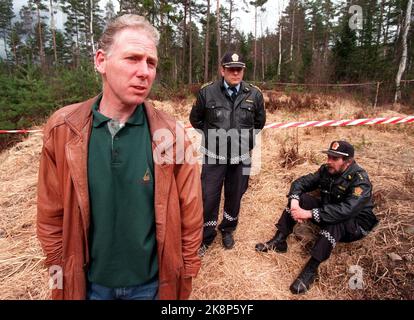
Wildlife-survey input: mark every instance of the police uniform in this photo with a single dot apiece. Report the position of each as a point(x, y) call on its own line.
point(343, 211)
point(229, 124)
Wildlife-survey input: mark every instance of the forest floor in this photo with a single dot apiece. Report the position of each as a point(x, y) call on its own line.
point(385, 256)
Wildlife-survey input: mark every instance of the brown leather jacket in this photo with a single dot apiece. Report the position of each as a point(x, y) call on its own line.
point(63, 216)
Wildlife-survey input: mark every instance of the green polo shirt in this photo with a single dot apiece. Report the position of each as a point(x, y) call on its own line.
point(123, 249)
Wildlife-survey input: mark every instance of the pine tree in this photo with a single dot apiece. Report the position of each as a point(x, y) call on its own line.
point(6, 16)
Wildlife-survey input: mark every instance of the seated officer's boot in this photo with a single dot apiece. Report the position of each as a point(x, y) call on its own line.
point(277, 243)
point(306, 277)
point(227, 239)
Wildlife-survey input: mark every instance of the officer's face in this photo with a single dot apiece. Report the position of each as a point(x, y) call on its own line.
point(336, 165)
point(232, 75)
point(128, 68)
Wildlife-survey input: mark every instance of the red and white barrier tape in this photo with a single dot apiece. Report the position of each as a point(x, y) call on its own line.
point(299, 124)
point(21, 131)
point(340, 123)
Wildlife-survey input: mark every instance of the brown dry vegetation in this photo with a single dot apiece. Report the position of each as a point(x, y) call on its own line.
point(386, 151)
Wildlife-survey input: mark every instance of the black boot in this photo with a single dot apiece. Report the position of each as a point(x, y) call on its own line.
point(228, 240)
point(306, 277)
point(277, 243)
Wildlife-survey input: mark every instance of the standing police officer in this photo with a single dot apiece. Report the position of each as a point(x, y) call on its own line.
point(343, 211)
point(229, 112)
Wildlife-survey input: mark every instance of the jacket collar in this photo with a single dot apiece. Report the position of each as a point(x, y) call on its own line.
point(78, 119)
point(348, 174)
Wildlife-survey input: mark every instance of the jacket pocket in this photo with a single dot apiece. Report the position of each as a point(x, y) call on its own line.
point(215, 113)
point(246, 115)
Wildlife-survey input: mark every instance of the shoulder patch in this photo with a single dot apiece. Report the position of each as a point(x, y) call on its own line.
point(357, 191)
point(253, 86)
point(206, 84)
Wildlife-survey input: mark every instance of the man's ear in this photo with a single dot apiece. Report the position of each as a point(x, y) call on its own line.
point(100, 61)
point(222, 71)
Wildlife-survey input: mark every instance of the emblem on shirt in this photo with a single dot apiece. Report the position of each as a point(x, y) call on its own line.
point(358, 191)
point(147, 177)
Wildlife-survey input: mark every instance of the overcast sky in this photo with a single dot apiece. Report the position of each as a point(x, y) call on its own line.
point(244, 21)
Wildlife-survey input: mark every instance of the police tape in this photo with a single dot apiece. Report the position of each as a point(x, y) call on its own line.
point(340, 123)
point(21, 131)
point(296, 124)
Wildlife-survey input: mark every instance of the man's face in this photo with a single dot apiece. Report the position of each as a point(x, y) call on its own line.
point(336, 165)
point(232, 75)
point(128, 68)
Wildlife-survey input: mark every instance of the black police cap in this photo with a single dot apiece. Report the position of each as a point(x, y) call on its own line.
point(340, 149)
point(232, 59)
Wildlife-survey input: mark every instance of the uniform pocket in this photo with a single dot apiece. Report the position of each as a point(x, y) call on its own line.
point(247, 115)
point(215, 114)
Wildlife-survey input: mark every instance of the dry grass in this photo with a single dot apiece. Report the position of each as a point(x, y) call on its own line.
point(241, 273)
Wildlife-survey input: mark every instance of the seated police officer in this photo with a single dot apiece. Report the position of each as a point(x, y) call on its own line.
point(229, 113)
point(343, 211)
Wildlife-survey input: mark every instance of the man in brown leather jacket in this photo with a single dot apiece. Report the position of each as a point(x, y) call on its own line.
point(119, 193)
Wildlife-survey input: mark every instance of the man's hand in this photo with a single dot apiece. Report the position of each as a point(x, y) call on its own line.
point(298, 213)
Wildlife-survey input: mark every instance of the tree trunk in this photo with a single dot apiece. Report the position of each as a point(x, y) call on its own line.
point(291, 33)
point(183, 63)
point(91, 28)
point(263, 60)
point(403, 62)
point(52, 26)
point(15, 55)
point(175, 69)
point(218, 40)
point(279, 65)
point(380, 21)
point(77, 51)
point(386, 30)
point(5, 46)
point(229, 27)
point(206, 51)
point(41, 49)
point(255, 43)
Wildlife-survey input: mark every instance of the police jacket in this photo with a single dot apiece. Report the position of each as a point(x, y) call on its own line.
point(343, 197)
point(214, 109)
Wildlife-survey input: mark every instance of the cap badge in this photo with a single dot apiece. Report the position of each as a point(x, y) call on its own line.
point(335, 146)
point(235, 57)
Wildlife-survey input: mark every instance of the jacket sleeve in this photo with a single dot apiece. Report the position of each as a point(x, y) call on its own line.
point(358, 196)
point(49, 206)
point(189, 191)
point(197, 112)
point(260, 113)
point(304, 184)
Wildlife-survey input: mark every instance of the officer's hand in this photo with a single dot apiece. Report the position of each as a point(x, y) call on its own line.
point(294, 204)
point(301, 214)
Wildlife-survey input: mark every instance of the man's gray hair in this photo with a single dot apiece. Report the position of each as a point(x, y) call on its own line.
point(123, 22)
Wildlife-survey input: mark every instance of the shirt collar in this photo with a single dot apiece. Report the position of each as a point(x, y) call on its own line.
point(137, 118)
point(228, 87)
point(98, 118)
